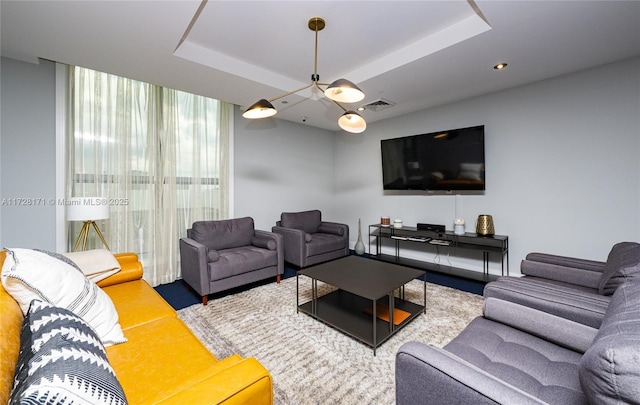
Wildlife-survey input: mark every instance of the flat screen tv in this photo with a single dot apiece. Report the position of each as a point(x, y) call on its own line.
point(450, 160)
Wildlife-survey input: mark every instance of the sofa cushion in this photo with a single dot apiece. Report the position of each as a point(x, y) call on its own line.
point(138, 303)
point(62, 361)
point(540, 368)
point(33, 274)
point(160, 359)
point(96, 264)
point(308, 221)
point(610, 368)
point(572, 335)
point(241, 260)
point(224, 234)
point(324, 243)
point(623, 262)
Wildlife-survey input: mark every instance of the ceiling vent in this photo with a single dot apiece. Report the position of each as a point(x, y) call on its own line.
point(379, 105)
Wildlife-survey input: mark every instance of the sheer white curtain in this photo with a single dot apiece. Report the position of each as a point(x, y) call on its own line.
point(159, 156)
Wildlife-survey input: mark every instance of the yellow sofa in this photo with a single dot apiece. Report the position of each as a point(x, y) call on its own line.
point(162, 362)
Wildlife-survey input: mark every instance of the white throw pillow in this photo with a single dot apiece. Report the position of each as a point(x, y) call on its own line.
point(35, 274)
point(96, 264)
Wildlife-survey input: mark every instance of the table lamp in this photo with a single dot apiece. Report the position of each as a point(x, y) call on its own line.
point(89, 210)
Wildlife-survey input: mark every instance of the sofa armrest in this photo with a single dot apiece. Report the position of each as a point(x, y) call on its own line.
point(279, 241)
point(193, 265)
point(263, 239)
point(564, 332)
point(130, 270)
point(243, 382)
point(338, 229)
point(428, 374)
point(585, 273)
point(566, 301)
point(566, 261)
point(126, 258)
point(294, 243)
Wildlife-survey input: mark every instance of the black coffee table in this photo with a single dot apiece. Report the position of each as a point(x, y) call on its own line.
point(366, 288)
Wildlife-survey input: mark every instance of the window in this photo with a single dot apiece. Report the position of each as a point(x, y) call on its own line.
point(159, 156)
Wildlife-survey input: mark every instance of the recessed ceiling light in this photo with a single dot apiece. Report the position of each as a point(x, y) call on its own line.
point(361, 108)
point(500, 66)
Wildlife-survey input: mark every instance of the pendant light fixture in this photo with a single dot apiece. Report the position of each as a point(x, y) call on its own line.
point(340, 91)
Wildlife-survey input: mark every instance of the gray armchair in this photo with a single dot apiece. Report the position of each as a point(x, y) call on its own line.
point(309, 240)
point(219, 255)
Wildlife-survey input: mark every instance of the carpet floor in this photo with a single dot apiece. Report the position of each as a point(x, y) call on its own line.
point(310, 362)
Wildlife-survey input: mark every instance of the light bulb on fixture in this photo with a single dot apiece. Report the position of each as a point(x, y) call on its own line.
point(340, 91)
point(260, 109)
point(343, 91)
point(352, 122)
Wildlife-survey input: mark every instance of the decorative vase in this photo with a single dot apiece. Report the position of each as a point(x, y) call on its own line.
point(458, 226)
point(484, 226)
point(359, 248)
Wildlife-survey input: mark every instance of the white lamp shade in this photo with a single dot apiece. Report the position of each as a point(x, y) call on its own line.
point(352, 122)
point(87, 208)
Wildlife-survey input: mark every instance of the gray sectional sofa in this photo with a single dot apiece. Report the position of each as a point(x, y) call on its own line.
point(573, 288)
point(533, 346)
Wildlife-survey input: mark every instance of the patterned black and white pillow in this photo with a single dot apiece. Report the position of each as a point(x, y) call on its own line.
point(62, 361)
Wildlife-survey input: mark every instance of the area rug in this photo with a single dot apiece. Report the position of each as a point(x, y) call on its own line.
point(312, 363)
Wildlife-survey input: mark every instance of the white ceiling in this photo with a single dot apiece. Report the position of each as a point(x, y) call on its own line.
point(414, 54)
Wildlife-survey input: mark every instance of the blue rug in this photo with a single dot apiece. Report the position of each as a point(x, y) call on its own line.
point(179, 296)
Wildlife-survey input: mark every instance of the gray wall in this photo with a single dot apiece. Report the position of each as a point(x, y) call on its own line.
point(562, 166)
point(27, 150)
point(563, 173)
point(281, 166)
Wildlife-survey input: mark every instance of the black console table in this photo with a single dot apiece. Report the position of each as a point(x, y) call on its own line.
point(447, 240)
